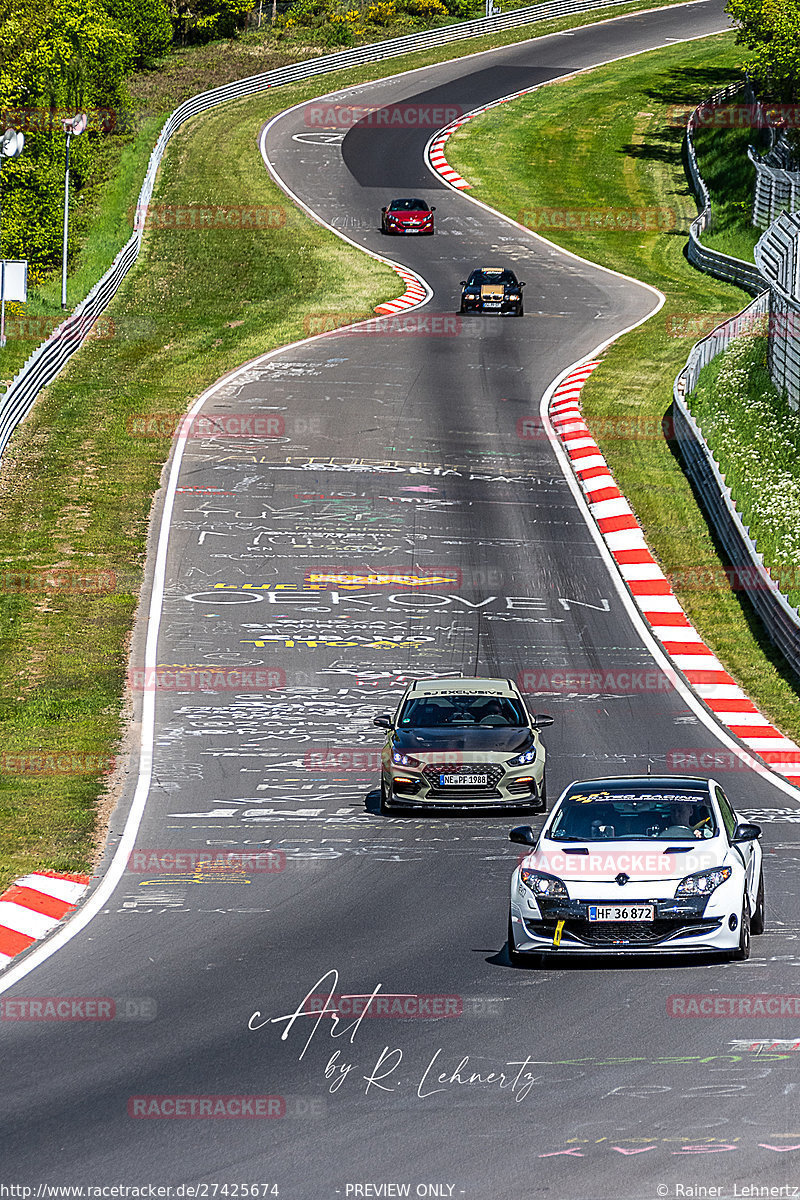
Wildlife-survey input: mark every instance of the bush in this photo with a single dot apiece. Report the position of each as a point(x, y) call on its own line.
point(380, 14)
point(336, 32)
point(150, 23)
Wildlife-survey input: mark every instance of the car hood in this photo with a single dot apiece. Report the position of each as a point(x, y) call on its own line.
point(641, 861)
point(505, 740)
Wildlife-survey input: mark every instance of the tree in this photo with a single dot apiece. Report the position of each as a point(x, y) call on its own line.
point(771, 30)
point(59, 56)
point(204, 20)
point(150, 23)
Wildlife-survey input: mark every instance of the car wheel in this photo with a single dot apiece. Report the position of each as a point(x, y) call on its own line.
point(742, 951)
point(385, 806)
point(520, 311)
point(518, 958)
point(757, 919)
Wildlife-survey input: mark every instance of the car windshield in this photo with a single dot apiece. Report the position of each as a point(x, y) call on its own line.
point(635, 816)
point(431, 712)
point(408, 206)
point(477, 278)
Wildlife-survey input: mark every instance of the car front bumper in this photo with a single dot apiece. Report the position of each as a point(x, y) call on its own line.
point(402, 227)
point(519, 788)
point(471, 304)
point(680, 927)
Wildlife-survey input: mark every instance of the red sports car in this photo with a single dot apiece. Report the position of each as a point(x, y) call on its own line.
point(407, 216)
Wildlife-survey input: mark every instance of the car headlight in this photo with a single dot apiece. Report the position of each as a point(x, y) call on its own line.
point(543, 885)
point(404, 760)
point(523, 759)
point(703, 883)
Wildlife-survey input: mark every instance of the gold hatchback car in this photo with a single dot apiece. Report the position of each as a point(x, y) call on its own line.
point(463, 743)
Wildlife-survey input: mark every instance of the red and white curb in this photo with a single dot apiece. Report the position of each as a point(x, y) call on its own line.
point(652, 592)
point(434, 151)
point(414, 294)
point(34, 905)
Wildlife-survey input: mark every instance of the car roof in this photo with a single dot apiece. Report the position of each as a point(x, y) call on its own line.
point(643, 783)
point(460, 685)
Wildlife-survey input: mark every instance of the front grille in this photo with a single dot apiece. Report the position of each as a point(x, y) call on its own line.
point(615, 933)
point(493, 772)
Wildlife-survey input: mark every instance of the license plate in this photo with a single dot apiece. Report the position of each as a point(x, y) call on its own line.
point(463, 780)
point(621, 912)
point(492, 303)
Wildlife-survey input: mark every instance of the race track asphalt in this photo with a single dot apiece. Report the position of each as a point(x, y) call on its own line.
point(398, 453)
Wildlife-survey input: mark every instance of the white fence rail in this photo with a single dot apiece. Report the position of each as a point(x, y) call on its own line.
point(777, 187)
point(780, 619)
point(723, 266)
point(778, 255)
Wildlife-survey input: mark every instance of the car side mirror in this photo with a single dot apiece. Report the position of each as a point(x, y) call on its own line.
point(522, 834)
point(433, 208)
point(384, 721)
point(542, 721)
point(745, 832)
point(523, 285)
point(384, 208)
point(463, 282)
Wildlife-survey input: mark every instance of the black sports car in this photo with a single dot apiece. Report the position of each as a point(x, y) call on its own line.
point(492, 289)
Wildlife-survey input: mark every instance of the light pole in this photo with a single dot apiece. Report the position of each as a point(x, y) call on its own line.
point(10, 146)
point(73, 127)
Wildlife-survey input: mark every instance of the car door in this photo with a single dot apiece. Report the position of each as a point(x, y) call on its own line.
point(748, 850)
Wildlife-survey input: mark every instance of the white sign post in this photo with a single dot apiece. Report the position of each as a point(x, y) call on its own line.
point(11, 144)
point(13, 286)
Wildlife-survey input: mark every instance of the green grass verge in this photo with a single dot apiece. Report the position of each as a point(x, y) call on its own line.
point(76, 488)
point(607, 138)
point(755, 438)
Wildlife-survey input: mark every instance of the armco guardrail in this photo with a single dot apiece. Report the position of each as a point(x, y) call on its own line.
point(781, 620)
point(723, 266)
point(778, 255)
point(47, 360)
point(777, 182)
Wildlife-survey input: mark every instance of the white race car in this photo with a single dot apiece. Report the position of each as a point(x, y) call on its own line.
point(637, 864)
